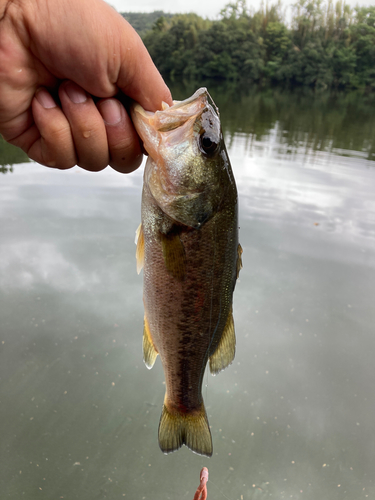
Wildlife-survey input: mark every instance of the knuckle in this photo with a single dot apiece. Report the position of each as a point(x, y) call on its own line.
point(58, 136)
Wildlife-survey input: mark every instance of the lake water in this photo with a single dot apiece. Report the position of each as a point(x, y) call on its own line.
point(293, 416)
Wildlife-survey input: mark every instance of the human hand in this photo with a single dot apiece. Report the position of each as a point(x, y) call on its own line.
point(54, 56)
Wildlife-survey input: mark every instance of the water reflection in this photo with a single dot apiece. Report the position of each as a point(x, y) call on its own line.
point(324, 193)
point(300, 123)
point(296, 123)
point(5, 169)
point(80, 409)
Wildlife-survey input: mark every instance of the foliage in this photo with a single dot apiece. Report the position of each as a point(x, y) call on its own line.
point(10, 155)
point(142, 21)
point(324, 46)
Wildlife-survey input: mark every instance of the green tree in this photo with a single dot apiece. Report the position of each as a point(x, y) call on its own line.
point(327, 46)
point(363, 42)
point(278, 44)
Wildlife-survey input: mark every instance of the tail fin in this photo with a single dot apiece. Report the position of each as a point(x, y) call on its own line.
point(191, 429)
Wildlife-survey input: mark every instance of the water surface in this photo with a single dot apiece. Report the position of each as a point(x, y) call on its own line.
point(293, 417)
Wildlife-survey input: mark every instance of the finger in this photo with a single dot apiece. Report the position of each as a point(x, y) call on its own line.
point(53, 144)
point(139, 77)
point(123, 141)
point(87, 127)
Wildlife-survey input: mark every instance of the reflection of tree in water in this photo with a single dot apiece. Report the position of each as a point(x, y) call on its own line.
point(4, 169)
point(301, 120)
point(9, 155)
point(337, 123)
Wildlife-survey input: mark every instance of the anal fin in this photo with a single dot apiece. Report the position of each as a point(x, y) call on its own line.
point(149, 351)
point(225, 351)
point(191, 429)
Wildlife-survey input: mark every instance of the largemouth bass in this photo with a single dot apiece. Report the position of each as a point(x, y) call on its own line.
point(187, 244)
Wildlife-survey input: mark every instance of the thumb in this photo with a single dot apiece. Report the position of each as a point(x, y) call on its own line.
point(138, 76)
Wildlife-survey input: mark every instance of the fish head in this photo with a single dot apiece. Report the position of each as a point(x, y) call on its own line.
point(188, 169)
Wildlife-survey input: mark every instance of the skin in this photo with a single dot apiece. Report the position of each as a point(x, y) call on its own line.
point(55, 55)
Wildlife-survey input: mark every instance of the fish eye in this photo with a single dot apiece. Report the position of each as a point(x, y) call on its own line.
point(207, 145)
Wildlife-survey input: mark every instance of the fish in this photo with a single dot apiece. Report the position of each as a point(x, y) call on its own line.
point(187, 246)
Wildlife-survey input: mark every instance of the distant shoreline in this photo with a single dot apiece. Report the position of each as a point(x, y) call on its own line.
point(327, 46)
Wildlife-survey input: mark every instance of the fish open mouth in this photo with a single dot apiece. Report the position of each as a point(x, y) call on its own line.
point(172, 117)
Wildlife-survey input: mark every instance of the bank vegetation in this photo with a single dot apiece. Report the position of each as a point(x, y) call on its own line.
point(322, 46)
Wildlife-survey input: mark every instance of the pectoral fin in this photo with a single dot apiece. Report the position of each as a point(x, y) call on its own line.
point(149, 351)
point(140, 252)
point(239, 259)
point(225, 351)
point(174, 255)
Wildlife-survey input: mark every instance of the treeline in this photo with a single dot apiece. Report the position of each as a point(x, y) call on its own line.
point(323, 46)
point(9, 155)
point(144, 21)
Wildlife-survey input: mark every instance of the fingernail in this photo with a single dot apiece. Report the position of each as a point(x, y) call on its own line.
point(75, 93)
point(110, 111)
point(45, 99)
